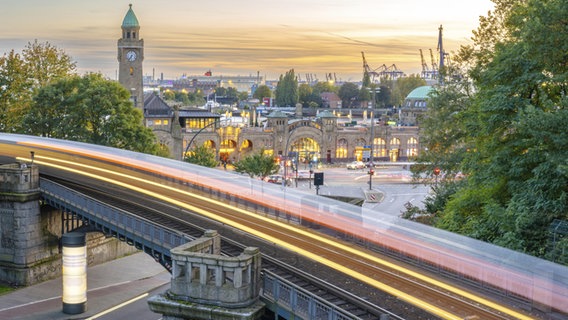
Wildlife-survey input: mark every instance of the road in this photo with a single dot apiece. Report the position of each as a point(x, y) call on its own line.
point(394, 182)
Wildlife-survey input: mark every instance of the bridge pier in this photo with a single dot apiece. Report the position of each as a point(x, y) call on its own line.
point(26, 254)
point(206, 285)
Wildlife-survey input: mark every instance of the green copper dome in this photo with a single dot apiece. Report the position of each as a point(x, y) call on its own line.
point(130, 20)
point(420, 93)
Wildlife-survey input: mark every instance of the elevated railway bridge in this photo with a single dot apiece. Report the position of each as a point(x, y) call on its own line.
point(322, 259)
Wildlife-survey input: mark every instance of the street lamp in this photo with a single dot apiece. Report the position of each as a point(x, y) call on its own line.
point(201, 130)
point(286, 161)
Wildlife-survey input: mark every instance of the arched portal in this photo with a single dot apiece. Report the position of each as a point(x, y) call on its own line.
point(359, 147)
point(341, 150)
point(394, 152)
point(306, 151)
point(246, 148)
point(228, 146)
point(305, 147)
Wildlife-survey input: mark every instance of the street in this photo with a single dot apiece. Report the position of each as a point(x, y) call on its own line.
point(393, 181)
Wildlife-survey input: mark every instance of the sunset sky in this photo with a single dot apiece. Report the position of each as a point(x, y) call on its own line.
point(246, 37)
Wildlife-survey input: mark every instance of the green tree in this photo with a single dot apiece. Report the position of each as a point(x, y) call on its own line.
point(366, 79)
point(242, 96)
point(403, 86)
point(90, 109)
point(196, 98)
point(203, 156)
point(21, 75)
point(286, 93)
point(349, 93)
point(326, 86)
point(257, 165)
point(263, 91)
point(509, 135)
point(383, 97)
point(169, 95)
point(181, 96)
point(305, 93)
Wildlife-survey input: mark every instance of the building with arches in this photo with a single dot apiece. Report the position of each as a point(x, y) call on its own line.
point(327, 136)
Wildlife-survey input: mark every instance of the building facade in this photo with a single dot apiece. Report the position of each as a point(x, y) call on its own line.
point(326, 137)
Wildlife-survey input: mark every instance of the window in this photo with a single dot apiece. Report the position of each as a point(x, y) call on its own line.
point(341, 151)
point(412, 147)
point(379, 147)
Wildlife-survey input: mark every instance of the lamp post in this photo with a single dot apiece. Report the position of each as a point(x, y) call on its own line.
point(286, 161)
point(201, 130)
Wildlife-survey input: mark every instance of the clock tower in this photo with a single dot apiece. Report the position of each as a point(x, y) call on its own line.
point(130, 57)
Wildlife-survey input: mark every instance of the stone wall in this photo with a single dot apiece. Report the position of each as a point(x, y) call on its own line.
point(30, 233)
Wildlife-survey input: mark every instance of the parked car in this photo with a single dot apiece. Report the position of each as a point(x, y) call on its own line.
point(355, 165)
point(275, 178)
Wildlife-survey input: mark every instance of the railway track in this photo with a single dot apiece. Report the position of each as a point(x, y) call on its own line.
point(194, 227)
point(180, 183)
point(362, 293)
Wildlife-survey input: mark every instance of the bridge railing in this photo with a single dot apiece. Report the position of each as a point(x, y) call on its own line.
point(143, 234)
point(279, 294)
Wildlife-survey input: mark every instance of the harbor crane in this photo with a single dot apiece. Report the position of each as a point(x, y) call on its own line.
point(391, 72)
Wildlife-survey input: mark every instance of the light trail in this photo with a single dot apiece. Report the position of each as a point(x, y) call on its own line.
point(393, 291)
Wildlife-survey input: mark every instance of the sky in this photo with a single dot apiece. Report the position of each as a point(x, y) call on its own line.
point(246, 37)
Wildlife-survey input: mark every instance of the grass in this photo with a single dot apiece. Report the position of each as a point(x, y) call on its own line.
point(4, 289)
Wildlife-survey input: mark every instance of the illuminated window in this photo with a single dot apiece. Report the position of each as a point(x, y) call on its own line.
point(341, 150)
point(412, 150)
point(379, 147)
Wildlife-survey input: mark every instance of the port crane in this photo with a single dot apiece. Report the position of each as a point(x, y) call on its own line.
point(390, 72)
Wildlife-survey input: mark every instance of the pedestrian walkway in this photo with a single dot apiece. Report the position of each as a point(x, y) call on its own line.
point(109, 284)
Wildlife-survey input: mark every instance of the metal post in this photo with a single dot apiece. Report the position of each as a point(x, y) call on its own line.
point(372, 160)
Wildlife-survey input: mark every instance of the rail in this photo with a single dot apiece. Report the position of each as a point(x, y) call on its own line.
point(280, 295)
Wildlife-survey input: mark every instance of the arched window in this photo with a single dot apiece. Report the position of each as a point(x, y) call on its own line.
point(379, 147)
point(412, 147)
point(341, 150)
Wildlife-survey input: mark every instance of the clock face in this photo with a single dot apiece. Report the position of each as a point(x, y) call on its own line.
point(131, 55)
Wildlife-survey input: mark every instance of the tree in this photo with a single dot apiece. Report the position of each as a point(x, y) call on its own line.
point(263, 91)
point(196, 98)
point(509, 136)
point(169, 95)
point(326, 86)
point(384, 97)
point(90, 109)
point(348, 93)
point(404, 85)
point(286, 93)
point(257, 165)
point(21, 75)
point(305, 94)
point(203, 156)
